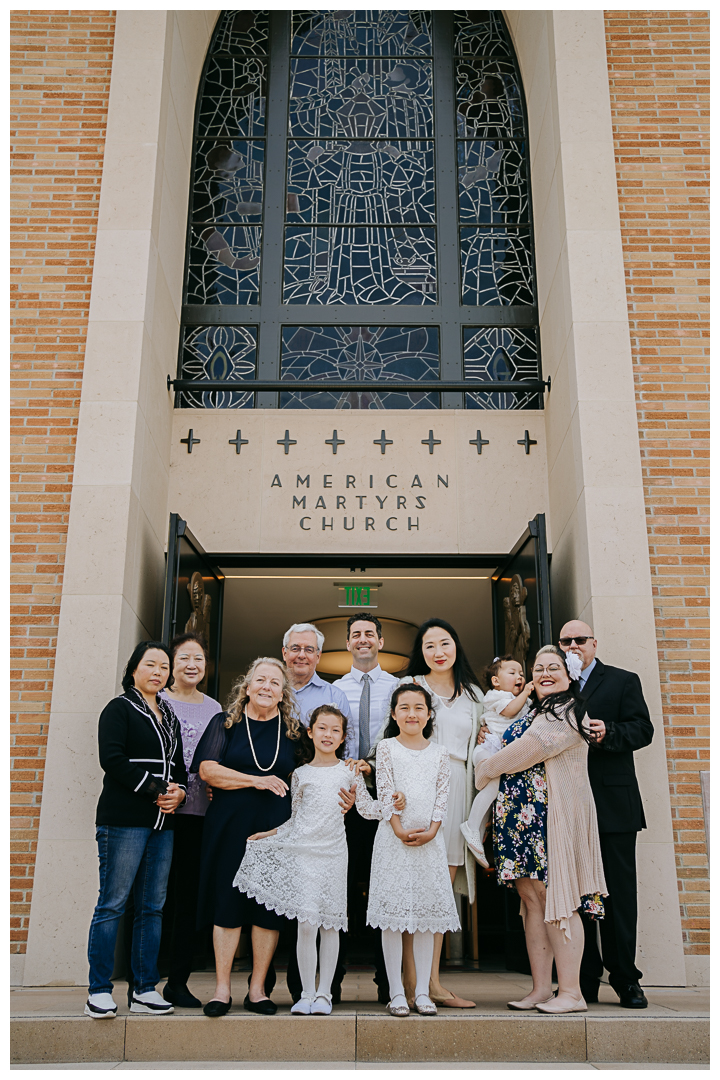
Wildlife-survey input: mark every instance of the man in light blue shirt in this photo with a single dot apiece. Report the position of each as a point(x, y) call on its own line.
point(302, 649)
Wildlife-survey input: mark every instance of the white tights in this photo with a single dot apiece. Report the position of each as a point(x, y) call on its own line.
point(481, 807)
point(307, 955)
point(423, 954)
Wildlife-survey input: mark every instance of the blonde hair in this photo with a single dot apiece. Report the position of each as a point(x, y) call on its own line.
point(287, 706)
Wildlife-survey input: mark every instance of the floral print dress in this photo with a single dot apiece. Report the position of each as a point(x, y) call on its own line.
point(520, 824)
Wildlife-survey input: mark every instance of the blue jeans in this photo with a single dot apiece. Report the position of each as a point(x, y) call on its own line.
point(130, 859)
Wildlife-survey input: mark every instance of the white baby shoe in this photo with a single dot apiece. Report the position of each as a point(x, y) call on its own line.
point(475, 844)
point(303, 1007)
point(100, 1006)
point(321, 1006)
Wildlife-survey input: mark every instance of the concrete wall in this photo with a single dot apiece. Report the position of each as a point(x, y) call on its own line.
point(118, 512)
point(118, 526)
point(601, 567)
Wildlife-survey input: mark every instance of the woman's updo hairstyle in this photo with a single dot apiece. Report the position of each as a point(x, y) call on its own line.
point(393, 728)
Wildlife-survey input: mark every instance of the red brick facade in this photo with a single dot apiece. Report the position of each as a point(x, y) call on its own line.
point(60, 69)
point(658, 67)
point(659, 87)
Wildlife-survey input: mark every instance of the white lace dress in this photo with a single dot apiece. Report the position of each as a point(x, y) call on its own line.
point(410, 887)
point(301, 872)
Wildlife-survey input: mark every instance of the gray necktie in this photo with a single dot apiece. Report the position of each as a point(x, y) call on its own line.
point(364, 717)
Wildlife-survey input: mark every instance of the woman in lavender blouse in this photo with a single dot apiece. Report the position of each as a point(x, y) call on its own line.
point(194, 711)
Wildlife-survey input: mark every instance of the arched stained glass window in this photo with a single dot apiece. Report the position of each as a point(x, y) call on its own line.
point(360, 225)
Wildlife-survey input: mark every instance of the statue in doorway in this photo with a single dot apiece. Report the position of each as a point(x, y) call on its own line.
point(199, 621)
point(517, 628)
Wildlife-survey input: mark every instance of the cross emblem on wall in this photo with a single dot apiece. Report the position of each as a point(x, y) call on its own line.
point(190, 441)
point(382, 442)
point(238, 441)
point(527, 442)
point(335, 442)
point(287, 442)
point(431, 442)
point(479, 442)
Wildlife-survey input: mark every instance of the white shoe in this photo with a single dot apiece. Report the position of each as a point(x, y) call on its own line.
point(321, 1006)
point(425, 1005)
point(150, 1002)
point(475, 844)
point(303, 1007)
point(398, 1006)
point(100, 1006)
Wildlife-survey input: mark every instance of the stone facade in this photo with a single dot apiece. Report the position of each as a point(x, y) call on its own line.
point(658, 65)
point(60, 83)
point(112, 580)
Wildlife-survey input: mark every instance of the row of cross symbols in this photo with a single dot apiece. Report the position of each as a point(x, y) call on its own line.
point(383, 442)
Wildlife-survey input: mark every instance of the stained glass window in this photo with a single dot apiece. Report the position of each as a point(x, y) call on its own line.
point(499, 354)
point(334, 170)
point(357, 354)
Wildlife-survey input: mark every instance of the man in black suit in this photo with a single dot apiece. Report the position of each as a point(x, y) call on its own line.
point(621, 724)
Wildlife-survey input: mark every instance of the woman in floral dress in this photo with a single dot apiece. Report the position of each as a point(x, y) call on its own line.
point(546, 837)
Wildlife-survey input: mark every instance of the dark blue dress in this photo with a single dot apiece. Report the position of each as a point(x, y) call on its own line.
point(234, 815)
point(520, 817)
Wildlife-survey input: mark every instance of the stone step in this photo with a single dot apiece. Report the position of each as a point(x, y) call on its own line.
point(354, 1035)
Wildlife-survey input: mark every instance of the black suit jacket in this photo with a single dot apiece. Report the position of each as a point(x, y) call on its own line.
point(615, 696)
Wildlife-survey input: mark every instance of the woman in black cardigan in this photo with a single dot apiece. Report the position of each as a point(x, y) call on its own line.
point(145, 781)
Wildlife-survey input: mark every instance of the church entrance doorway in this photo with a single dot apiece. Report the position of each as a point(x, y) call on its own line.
point(244, 603)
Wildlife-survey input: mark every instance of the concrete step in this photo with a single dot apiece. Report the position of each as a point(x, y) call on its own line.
point(352, 1034)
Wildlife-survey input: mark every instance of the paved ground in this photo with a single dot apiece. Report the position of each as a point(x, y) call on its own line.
point(348, 1065)
point(490, 990)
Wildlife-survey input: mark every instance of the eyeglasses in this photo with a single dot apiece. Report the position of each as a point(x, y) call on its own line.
point(578, 640)
point(310, 650)
point(551, 670)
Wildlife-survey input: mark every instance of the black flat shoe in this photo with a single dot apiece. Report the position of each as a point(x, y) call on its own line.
point(178, 994)
point(590, 992)
point(217, 1008)
point(265, 1007)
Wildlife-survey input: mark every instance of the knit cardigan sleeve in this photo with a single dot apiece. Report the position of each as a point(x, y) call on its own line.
point(115, 752)
point(544, 739)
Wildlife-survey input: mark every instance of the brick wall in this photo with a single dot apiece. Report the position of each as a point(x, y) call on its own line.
point(60, 71)
point(658, 66)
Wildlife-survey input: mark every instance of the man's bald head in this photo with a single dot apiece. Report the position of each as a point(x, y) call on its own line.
point(577, 629)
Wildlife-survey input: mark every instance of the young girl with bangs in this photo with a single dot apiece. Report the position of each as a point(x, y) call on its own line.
point(410, 886)
point(300, 869)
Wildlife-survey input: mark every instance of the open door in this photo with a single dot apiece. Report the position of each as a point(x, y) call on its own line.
point(521, 618)
point(193, 597)
point(521, 597)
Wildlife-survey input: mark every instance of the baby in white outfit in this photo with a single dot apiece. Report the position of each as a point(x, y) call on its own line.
point(505, 701)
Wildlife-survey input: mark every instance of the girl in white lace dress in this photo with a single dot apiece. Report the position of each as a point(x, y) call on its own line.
point(410, 887)
point(300, 869)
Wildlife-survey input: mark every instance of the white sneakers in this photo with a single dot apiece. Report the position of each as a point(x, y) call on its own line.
point(475, 844)
point(320, 1005)
point(100, 1007)
point(150, 1002)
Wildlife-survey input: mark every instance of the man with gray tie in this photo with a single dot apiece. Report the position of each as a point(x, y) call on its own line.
point(368, 690)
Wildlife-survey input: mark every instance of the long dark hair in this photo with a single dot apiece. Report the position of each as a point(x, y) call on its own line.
point(465, 678)
point(572, 706)
point(137, 655)
point(393, 728)
point(305, 752)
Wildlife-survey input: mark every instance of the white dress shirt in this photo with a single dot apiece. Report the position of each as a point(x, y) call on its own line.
point(585, 675)
point(382, 685)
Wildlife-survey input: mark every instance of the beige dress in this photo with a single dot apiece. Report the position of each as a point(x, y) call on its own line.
point(574, 860)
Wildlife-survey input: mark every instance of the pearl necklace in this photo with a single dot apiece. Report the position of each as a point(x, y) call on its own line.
point(252, 748)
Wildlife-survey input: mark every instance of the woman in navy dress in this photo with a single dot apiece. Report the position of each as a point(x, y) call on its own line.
point(246, 755)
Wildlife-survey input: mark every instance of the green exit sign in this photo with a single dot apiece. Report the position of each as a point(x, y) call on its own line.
point(357, 596)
